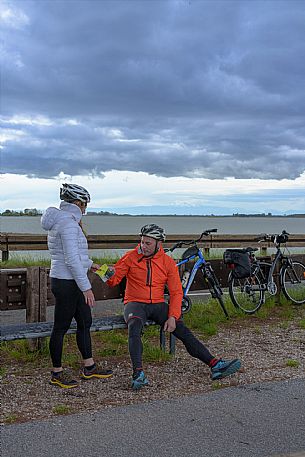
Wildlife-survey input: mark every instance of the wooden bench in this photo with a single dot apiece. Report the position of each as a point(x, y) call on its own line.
point(43, 329)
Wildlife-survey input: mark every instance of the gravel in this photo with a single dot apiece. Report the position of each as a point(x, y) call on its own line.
point(269, 350)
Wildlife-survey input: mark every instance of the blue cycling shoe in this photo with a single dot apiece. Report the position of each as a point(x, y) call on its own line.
point(225, 368)
point(139, 380)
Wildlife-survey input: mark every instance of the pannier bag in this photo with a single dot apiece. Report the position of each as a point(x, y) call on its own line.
point(239, 261)
point(280, 239)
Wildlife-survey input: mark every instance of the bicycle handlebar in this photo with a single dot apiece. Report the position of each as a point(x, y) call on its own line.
point(188, 243)
point(272, 237)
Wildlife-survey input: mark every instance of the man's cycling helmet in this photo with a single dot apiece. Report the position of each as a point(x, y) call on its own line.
point(72, 192)
point(153, 231)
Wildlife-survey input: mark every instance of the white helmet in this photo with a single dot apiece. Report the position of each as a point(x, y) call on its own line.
point(71, 192)
point(153, 231)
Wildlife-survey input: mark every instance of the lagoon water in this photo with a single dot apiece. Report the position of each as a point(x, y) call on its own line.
point(130, 225)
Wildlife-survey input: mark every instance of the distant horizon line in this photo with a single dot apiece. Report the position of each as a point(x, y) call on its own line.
point(33, 212)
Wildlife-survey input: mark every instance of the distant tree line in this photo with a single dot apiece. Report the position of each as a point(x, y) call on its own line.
point(103, 213)
point(267, 215)
point(252, 215)
point(38, 212)
point(26, 212)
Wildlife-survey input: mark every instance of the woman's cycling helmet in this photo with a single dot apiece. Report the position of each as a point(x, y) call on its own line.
point(153, 231)
point(72, 192)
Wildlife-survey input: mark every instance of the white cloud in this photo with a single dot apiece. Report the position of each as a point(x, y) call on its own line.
point(174, 103)
point(124, 189)
point(12, 17)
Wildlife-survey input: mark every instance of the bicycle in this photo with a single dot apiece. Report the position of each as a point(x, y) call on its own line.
point(248, 293)
point(191, 253)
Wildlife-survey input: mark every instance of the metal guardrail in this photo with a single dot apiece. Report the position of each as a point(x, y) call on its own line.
point(29, 242)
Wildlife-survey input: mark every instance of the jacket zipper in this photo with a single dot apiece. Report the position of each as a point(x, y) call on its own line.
point(149, 277)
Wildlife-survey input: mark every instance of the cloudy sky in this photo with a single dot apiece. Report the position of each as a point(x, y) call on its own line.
point(172, 106)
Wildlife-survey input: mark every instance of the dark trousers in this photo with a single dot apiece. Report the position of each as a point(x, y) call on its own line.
point(136, 314)
point(70, 303)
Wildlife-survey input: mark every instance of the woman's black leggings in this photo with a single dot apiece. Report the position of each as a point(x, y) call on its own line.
point(70, 303)
point(136, 314)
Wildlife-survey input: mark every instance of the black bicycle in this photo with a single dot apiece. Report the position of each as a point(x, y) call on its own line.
point(248, 292)
point(209, 277)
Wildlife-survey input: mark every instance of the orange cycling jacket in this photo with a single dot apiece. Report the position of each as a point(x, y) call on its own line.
point(146, 278)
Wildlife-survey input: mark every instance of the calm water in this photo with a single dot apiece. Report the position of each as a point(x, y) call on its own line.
point(130, 225)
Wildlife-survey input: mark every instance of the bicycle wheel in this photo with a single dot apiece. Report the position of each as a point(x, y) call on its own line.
point(293, 282)
point(186, 305)
point(214, 287)
point(246, 294)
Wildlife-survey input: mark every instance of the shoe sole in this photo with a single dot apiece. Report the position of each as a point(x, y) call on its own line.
point(62, 386)
point(98, 376)
point(233, 368)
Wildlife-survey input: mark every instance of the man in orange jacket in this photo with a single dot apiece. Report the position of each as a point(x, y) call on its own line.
point(148, 269)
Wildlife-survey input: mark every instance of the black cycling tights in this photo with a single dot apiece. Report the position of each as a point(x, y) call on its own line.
point(136, 314)
point(70, 302)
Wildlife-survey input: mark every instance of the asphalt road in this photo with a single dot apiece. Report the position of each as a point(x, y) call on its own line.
point(259, 420)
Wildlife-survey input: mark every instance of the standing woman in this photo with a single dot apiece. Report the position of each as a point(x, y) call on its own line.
point(69, 282)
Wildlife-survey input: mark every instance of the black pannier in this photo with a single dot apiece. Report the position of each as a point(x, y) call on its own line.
point(239, 261)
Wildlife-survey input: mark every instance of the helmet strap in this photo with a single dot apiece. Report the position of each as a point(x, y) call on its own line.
point(156, 248)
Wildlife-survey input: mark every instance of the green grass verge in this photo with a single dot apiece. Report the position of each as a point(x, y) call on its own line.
point(25, 261)
point(113, 343)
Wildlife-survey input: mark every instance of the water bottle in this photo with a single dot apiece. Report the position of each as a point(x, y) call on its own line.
point(185, 279)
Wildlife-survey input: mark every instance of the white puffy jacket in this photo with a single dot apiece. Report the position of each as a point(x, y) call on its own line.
point(67, 244)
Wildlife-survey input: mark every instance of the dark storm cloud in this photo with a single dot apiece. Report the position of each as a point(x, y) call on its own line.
point(174, 88)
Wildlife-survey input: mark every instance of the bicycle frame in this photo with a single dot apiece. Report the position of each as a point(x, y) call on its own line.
point(270, 284)
point(199, 263)
point(202, 264)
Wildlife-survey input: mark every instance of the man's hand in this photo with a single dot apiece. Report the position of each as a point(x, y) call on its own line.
point(170, 325)
point(89, 297)
point(94, 267)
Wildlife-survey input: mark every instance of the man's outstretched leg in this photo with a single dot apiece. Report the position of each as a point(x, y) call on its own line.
point(219, 368)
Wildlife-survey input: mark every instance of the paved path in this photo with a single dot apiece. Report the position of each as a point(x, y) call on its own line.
point(259, 420)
